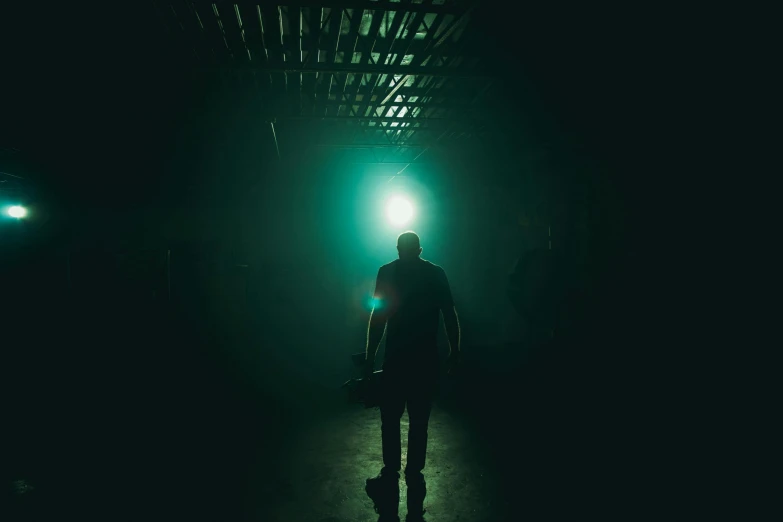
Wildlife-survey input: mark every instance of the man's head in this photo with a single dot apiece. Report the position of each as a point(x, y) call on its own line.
point(408, 245)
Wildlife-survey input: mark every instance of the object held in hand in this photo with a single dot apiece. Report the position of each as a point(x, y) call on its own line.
point(365, 391)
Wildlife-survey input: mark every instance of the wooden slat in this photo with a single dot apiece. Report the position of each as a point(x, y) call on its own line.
point(431, 122)
point(272, 35)
point(434, 86)
point(170, 18)
point(335, 28)
point(437, 47)
point(390, 40)
point(389, 45)
point(349, 42)
point(462, 104)
point(213, 34)
point(389, 90)
point(383, 5)
point(310, 45)
point(329, 35)
point(295, 86)
point(270, 16)
point(193, 35)
point(427, 42)
point(374, 69)
point(372, 36)
point(419, 91)
point(321, 90)
point(320, 28)
point(295, 22)
point(349, 46)
point(374, 30)
point(316, 17)
point(302, 86)
point(412, 28)
point(443, 47)
point(363, 45)
point(254, 38)
point(227, 17)
point(291, 20)
point(362, 145)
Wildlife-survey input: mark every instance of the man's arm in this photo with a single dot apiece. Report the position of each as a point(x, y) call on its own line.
point(450, 319)
point(451, 322)
point(374, 335)
point(377, 325)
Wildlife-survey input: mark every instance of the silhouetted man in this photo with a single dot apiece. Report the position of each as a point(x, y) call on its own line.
point(409, 295)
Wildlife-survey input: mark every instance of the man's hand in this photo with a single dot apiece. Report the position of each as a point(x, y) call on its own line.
point(453, 363)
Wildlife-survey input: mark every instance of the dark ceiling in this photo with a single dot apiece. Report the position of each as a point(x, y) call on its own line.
point(105, 98)
point(381, 81)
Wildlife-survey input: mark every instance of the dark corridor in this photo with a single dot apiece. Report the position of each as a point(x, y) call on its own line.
point(196, 198)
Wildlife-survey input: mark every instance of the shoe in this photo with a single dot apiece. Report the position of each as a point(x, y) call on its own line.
point(417, 491)
point(384, 490)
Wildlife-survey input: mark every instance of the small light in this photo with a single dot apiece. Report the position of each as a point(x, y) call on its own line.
point(17, 212)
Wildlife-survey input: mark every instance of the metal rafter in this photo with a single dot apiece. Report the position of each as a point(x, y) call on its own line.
point(420, 58)
point(384, 119)
point(379, 70)
point(381, 5)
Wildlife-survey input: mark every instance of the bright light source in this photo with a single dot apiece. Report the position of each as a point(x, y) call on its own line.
point(399, 211)
point(17, 212)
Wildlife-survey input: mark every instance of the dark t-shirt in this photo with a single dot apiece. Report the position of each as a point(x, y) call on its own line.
point(412, 293)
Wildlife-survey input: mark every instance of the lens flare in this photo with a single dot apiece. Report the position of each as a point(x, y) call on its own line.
point(17, 212)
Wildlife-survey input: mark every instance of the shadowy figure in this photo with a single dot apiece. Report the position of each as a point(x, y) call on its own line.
point(409, 295)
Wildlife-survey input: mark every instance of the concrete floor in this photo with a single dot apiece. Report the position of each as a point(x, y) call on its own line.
point(202, 448)
point(497, 451)
point(216, 446)
point(330, 459)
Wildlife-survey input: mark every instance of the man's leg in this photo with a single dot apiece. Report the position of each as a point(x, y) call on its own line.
point(392, 408)
point(384, 489)
point(420, 398)
point(419, 409)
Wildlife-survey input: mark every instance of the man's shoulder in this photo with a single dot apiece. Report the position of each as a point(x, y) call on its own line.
point(429, 266)
point(433, 267)
point(386, 270)
point(388, 266)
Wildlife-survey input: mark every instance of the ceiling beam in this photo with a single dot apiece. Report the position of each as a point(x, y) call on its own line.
point(427, 105)
point(369, 146)
point(430, 122)
point(344, 68)
point(381, 5)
